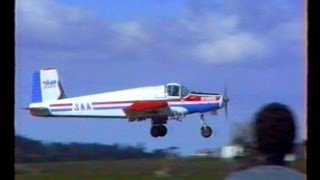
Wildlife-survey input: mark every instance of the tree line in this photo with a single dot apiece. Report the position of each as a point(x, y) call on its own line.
point(29, 150)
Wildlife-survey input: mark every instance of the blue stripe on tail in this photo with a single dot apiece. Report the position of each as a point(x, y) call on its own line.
point(36, 88)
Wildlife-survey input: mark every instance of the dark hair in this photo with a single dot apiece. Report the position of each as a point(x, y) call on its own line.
point(275, 129)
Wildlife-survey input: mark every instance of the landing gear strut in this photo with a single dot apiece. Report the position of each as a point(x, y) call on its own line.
point(158, 130)
point(206, 130)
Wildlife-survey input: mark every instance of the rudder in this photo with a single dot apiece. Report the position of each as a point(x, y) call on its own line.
point(46, 86)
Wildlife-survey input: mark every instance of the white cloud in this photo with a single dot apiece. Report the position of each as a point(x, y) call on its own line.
point(230, 48)
point(210, 36)
point(129, 34)
point(220, 40)
point(37, 16)
point(210, 25)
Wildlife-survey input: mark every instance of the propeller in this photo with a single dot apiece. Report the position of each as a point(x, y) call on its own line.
point(226, 101)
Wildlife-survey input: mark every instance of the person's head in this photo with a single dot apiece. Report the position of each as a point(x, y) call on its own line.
point(274, 127)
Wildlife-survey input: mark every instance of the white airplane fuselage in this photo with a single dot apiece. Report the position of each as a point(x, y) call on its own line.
point(158, 103)
point(112, 104)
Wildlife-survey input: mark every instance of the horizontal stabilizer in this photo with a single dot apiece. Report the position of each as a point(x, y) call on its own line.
point(36, 111)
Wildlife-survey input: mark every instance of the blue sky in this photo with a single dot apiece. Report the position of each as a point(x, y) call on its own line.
point(97, 46)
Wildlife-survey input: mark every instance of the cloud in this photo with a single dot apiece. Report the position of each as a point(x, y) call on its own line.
point(244, 31)
point(130, 32)
point(46, 24)
point(130, 38)
point(229, 49)
point(207, 31)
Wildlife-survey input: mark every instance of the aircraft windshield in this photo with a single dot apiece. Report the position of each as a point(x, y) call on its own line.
point(173, 90)
point(184, 91)
point(177, 90)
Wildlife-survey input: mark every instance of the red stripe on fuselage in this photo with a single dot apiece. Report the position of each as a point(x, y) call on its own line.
point(144, 106)
point(57, 105)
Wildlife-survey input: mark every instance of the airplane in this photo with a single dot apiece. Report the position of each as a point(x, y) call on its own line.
point(160, 103)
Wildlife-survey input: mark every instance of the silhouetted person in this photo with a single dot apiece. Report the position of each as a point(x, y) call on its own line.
point(275, 131)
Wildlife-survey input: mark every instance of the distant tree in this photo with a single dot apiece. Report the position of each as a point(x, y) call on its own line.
point(172, 152)
point(140, 146)
point(28, 150)
point(159, 153)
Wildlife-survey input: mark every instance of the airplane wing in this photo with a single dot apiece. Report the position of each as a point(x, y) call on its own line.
point(146, 109)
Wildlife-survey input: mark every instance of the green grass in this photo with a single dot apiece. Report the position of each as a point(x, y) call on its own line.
point(132, 169)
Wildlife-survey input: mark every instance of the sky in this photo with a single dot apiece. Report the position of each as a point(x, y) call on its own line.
point(258, 49)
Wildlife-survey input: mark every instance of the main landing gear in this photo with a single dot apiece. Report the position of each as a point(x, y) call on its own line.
point(206, 130)
point(158, 130)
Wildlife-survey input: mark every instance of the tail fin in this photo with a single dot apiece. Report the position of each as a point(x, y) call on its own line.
point(46, 86)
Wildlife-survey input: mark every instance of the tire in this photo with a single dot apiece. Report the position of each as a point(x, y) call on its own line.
point(154, 131)
point(206, 131)
point(163, 130)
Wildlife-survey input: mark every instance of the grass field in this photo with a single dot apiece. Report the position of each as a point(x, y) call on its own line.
point(133, 169)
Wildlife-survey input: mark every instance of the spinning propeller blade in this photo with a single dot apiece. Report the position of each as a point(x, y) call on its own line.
point(226, 100)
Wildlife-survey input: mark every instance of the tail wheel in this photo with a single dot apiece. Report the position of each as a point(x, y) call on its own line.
point(206, 131)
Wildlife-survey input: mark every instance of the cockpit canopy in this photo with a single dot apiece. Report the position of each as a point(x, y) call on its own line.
point(176, 90)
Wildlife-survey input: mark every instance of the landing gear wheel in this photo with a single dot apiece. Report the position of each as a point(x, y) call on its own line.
point(158, 131)
point(163, 130)
point(206, 131)
point(154, 131)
